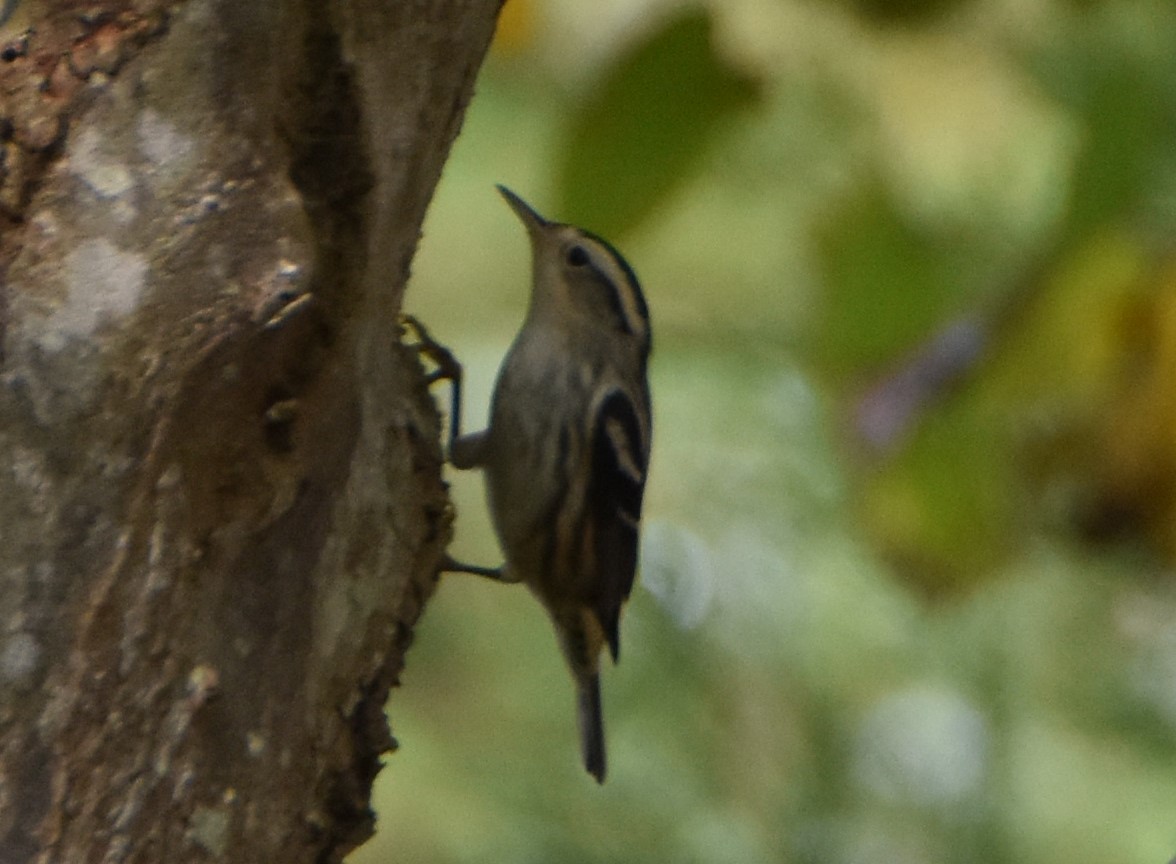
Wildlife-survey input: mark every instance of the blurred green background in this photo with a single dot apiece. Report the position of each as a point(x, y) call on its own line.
point(907, 585)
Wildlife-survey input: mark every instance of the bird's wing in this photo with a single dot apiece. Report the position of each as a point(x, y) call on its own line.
point(615, 489)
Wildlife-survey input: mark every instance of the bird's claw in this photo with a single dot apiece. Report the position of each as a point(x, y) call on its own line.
point(448, 366)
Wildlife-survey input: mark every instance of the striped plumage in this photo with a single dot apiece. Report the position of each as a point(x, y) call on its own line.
point(567, 448)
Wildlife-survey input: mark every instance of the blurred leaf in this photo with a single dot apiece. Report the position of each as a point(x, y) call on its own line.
point(1138, 475)
point(1125, 104)
point(1129, 127)
point(887, 283)
point(944, 509)
point(516, 26)
point(971, 481)
point(1064, 346)
point(909, 12)
point(646, 126)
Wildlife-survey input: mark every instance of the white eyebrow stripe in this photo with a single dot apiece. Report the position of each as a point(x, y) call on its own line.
point(613, 268)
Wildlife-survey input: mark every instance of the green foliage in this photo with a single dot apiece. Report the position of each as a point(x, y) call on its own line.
point(646, 126)
point(914, 374)
point(1117, 76)
point(888, 282)
point(969, 442)
point(905, 12)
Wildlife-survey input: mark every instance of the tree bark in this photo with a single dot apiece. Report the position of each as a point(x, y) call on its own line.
point(221, 504)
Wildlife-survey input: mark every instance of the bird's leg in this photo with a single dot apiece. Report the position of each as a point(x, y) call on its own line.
point(498, 574)
point(465, 451)
point(448, 369)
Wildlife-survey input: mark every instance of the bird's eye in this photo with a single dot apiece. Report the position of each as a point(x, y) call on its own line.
point(577, 257)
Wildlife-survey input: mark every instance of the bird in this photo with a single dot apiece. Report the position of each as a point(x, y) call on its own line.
point(566, 451)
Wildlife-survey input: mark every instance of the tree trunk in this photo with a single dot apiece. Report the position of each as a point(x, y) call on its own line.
point(220, 495)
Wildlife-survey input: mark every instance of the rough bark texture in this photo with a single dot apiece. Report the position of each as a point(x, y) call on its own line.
point(220, 493)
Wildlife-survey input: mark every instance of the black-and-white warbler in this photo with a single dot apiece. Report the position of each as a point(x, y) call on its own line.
point(566, 451)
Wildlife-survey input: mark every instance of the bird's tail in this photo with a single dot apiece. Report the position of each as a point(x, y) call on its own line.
point(591, 725)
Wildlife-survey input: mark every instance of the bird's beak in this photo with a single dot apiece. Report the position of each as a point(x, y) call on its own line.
point(532, 220)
